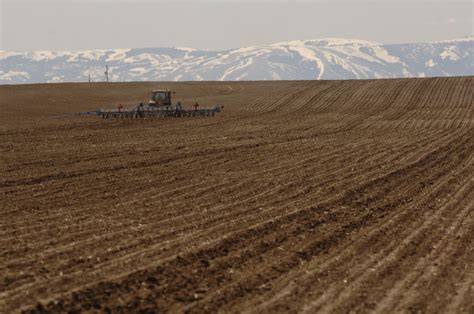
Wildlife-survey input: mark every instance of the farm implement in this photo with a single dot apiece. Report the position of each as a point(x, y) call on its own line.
point(159, 106)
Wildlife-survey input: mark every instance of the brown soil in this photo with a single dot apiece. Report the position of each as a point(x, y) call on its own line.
point(330, 196)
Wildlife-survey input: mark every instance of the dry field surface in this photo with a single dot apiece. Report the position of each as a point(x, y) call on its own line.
point(305, 196)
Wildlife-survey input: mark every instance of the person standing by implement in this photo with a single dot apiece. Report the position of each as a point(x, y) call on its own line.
point(196, 105)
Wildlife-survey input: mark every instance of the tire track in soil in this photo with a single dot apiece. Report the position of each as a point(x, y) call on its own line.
point(346, 255)
point(373, 265)
point(239, 241)
point(305, 275)
point(328, 144)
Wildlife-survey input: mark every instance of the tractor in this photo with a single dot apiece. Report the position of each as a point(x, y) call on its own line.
point(160, 98)
point(159, 105)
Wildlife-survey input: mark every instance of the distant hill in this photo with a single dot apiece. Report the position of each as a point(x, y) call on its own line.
point(294, 60)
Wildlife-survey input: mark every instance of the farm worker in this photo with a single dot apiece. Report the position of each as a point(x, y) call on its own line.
point(196, 105)
point(178, 106)
point(120, 107)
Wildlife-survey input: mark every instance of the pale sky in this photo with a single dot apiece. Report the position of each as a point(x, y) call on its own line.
point(224, 24)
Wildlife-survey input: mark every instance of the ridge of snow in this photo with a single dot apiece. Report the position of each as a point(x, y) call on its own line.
point(325, 42)
point(7, 54)
point(454, 40)
point(329, 58)
point(310, 55)
point(186, 49)
point(450, 53)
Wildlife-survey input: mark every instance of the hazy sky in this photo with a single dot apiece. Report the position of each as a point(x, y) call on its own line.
point(224, 24)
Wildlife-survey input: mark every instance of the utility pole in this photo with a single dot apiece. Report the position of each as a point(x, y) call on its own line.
point(106, 73)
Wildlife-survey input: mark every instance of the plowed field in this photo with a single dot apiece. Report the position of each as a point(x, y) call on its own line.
point(330, 196)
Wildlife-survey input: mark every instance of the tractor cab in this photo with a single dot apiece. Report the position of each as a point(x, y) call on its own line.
point(160, 98)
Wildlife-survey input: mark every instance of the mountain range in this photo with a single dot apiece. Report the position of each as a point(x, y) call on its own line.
point(331, 58)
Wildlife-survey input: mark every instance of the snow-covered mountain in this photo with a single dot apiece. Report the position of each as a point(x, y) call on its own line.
point(308, 59)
